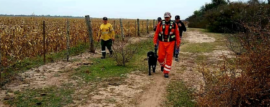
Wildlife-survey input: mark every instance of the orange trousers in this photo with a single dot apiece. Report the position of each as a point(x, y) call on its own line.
point(165, 51)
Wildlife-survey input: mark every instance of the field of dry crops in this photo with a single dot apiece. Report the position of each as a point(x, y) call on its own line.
point(21, 37)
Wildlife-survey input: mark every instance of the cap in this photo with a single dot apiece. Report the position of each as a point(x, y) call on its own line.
point(167, 14)
point(105, 18)
point(177, 17)
point(159, 19)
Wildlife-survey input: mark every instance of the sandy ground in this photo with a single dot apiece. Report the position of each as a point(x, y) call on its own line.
point(197, 37)
point(137, 90)
point(151, 90)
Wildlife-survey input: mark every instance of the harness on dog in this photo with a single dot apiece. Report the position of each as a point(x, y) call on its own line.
point(171, 36)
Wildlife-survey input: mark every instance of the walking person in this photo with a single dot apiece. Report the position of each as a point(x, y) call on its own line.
point(159, 20)
point(106, 35)
point(168, 35)
point(182, 28)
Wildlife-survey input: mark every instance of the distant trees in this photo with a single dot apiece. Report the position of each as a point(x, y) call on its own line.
point(254, 2)
point(218, 16)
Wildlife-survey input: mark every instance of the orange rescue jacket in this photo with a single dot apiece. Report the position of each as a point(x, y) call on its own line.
point(165, 35)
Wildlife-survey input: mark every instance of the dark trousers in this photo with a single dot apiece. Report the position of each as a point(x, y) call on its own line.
point(105, 44)
point(176, 50)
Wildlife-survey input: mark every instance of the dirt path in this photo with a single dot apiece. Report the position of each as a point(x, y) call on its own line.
point(141, 90)
point(46, 75)
point(51, 74)
point(137, 90)
point(154, 96)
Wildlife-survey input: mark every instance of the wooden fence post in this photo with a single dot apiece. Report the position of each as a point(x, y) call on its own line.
point(142, 27)
point(44, 43)
point(128, 30)
point(147, 23)
point(114, 24)
point(135, 28)
point(122, 32)
point(0, 58)
point(89, 28)
point(153, 23)
point(138, 24)
point(67, 40)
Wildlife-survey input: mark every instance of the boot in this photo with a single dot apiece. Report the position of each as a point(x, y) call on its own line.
point(166, 75)
point(162, 69)
point(176, 58)
point(111, 53)
point(103, 55)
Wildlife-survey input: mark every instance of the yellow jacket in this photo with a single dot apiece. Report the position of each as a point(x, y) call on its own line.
point(106, 32)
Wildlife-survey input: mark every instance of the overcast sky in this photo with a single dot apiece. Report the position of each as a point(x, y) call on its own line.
point(143, 9)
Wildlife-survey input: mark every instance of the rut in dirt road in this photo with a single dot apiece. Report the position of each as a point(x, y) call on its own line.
point(141, 90)
point(155, 95)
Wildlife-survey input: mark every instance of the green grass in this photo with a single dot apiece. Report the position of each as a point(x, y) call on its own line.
point(178, 95)
point(47, 97)
point(29, 63)
point(106, 68)
point(201, 58)
point(198, 47)
point(61, 96)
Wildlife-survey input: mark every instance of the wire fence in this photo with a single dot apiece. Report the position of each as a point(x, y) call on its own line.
point(28, 37)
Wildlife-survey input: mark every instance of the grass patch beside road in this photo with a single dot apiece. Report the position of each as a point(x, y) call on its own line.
point(179, 95)
point(198, 47)
point(105, 68)
point(47, 97)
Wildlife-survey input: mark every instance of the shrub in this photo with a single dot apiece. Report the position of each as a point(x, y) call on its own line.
point(245, 81)
point(123, 54)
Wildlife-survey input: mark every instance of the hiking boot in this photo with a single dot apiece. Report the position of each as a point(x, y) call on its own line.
point(176, 58)
point(166, 75)
point(111, 53)
point(162, 69)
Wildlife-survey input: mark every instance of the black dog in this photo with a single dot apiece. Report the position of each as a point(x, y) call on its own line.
point(152, 61)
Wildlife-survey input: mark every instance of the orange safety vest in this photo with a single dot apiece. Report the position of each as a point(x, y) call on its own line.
point(170, 36)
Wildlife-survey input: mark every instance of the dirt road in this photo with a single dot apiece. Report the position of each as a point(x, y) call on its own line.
point(137, 90)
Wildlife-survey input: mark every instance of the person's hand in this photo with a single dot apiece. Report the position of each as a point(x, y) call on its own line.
point(155, 45)
point(179, 24)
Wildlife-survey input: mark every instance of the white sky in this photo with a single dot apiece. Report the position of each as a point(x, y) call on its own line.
point(143, 9)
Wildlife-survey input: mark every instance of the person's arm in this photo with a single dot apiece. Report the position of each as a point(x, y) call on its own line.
point(183, 26)
point(112, 32)
point(156, 34)
point(177, 34)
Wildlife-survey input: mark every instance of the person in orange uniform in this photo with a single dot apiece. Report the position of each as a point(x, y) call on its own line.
point(168, 35)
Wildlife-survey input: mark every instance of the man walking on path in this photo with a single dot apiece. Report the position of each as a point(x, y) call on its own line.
point(168, 35)
point(106, 34)
point(181, 27)
point(159, 20)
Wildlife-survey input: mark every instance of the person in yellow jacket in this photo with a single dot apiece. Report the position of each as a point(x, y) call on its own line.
point(106, 35)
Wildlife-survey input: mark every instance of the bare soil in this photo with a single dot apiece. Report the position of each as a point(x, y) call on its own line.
point(137, 90)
